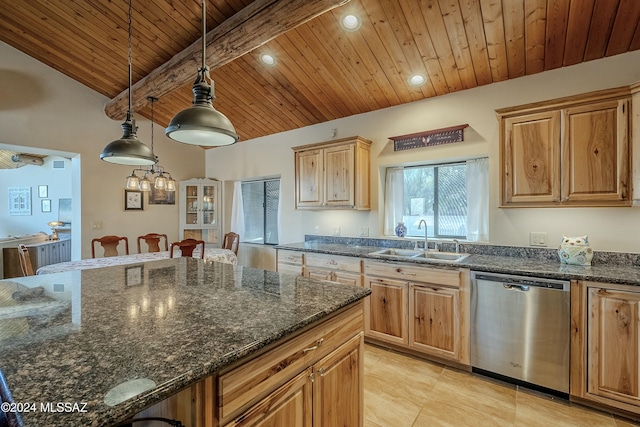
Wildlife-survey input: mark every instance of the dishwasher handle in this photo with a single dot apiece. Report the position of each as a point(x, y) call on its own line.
point(523, 288)
point(523, 283)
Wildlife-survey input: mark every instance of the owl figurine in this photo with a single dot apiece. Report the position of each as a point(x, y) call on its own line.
point(575, 250)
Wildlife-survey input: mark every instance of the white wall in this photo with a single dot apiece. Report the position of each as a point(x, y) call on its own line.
point(614, 229)
point(41, 108)
point(58, 182)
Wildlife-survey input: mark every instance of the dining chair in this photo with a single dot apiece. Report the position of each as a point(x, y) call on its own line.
point(153, 242)
point(231, 241)
point(25, 261)
point(110, 245)
point(187, 246)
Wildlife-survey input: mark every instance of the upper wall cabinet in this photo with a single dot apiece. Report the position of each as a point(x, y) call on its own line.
point(567, 152)
point(333, 174)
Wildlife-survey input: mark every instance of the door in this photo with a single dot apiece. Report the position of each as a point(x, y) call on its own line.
point(433, 320)
point(290, 405)
point(531, 158)
point(338, 386)
point(385, 313)
point(612, 336)
point(595, 153)
point(339, 175)
point(309, 173)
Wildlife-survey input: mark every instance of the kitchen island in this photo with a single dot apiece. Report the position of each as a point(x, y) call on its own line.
point(111, 342)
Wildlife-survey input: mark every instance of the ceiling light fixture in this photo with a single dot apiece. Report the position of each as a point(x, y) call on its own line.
point(128, 150)
point(162, 179)
point(268, 59)
point(350, 22)
point(201, 124)
point(417, 80)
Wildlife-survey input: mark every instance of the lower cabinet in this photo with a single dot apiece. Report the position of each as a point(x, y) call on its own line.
point(419, 308)
point(323, 395)
point(605, 345)
point(341, 269)
point(312, 379)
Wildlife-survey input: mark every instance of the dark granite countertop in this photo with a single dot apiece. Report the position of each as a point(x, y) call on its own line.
point(173, 322)
point(607, 267)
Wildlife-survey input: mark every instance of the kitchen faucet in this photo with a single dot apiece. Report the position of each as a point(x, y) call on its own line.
point(426, 246)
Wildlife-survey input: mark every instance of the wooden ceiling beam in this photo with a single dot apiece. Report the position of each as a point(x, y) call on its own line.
point(256, 24)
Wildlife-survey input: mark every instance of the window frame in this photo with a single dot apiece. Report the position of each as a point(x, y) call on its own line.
point(264, 181)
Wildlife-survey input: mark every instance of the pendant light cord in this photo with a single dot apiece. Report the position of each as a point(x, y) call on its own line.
point(204, 32)
point(129, 54)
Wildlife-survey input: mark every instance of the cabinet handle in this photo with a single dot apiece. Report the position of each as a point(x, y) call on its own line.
point(321, 372)
point(291, 258)
point(315, 347)
point(332, 262)
point(407, 274)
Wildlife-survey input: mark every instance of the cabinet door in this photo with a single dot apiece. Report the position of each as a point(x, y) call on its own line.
point(309, 173)
point(339, 176)
point(338, 386)
point(347, 278)
point(531, 158)
point(199, 211)
point(318, 273)
point(385, 310)
point(290, 405)
point(595, 153)
point(433, 325)
point(612, 336)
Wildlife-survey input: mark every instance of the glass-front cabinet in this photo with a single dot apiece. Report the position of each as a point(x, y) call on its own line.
point(200, 211)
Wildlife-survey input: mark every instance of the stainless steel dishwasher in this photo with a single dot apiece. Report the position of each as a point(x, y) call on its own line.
point(520, 329)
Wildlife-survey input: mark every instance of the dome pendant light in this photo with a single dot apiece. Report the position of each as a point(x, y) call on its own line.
point(201, 124)
point(129, 150)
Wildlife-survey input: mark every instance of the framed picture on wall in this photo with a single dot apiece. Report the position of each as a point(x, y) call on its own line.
point(161, 197)
point(133, 200)
point(19, 200)
point(43, 191)
point(46, 205)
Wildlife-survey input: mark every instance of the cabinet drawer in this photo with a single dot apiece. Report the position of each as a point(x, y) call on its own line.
point(334, 262)
point(290, 257)
point(253, 380)
point(413, 272)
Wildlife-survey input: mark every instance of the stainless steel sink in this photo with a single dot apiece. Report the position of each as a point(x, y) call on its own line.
point(443, 256)
point(398, 252)
point(410, 253)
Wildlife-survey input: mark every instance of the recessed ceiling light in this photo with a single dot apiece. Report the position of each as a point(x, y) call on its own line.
point(417, 80)
point(268, 59)
point(350, 22)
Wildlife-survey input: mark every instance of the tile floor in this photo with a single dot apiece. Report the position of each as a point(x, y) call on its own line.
point(403, 391)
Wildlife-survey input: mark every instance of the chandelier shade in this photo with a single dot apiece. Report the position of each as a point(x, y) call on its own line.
point(201, 124)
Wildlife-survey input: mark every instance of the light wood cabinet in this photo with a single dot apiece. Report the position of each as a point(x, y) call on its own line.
point(312, 379)
point(567, 152)
point(605, 347)
point(333, 175)
point(419, 307)
point(200, 209)
point(336, 268)
point(289, 261)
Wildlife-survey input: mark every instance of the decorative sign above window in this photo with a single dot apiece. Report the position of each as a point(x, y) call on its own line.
point(429, 138)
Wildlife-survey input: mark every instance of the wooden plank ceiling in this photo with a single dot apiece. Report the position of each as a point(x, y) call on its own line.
point(323, 72)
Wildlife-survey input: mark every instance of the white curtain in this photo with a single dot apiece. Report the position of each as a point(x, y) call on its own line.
point(237, 210)
point(478, 200)
point(393, 199)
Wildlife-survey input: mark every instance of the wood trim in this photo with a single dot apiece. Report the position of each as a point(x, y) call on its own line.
point(569, 101)
point(578, 359)
point(326, 144)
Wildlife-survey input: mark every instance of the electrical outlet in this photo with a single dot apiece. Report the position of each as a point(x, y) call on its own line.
point(97, 225)
point(538, 238)
point(364, 231)
point(336, 231)
point(316, 229)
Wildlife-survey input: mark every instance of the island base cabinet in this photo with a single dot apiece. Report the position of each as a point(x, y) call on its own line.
point(325, 395)
point(291, 405)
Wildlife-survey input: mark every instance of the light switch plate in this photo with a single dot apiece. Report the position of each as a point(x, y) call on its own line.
point(336, 231)
point(364, 231)
point(538, 238)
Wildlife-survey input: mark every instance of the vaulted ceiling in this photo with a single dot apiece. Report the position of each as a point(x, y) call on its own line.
point(322, 72)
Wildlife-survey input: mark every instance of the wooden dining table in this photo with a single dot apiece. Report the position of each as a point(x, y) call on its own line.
point(210, 254)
